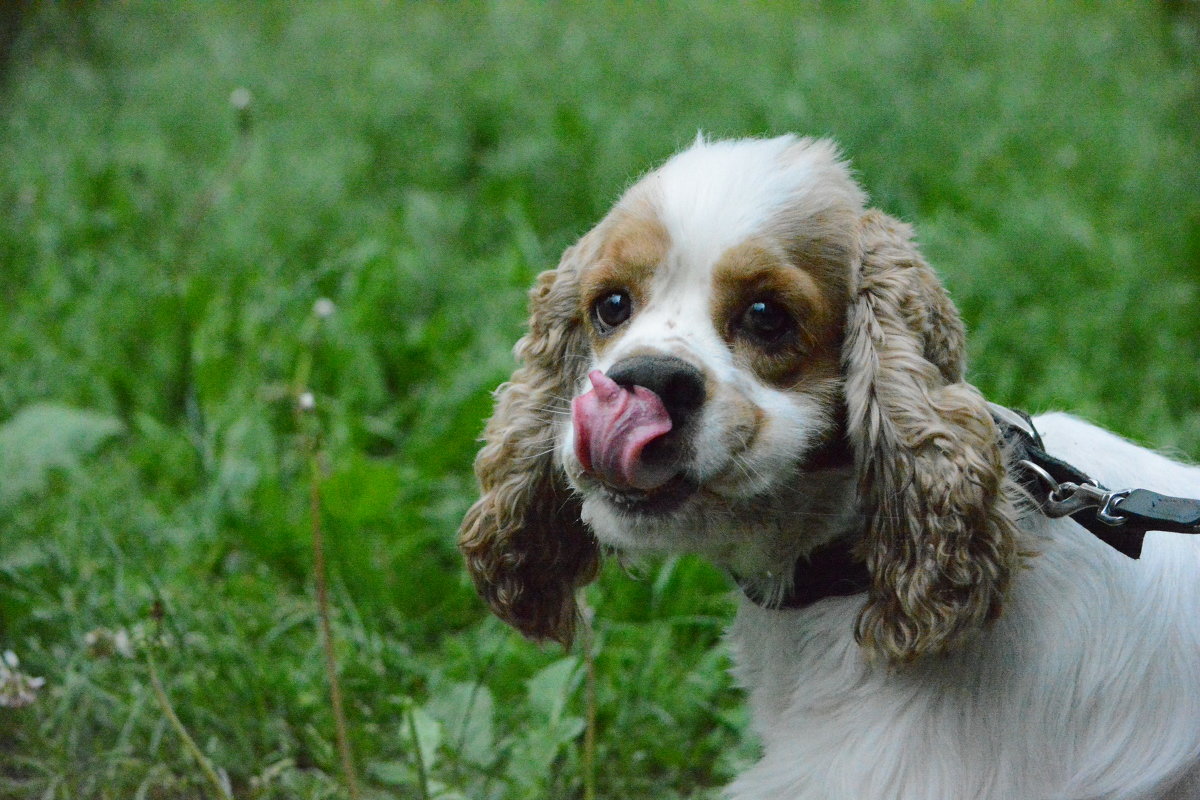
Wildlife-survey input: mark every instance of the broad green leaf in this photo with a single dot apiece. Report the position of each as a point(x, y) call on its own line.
point(550, 687)
point(428, 734)
point(534, 753)
point(45, 437)
point(393, 773)
point(467, 713)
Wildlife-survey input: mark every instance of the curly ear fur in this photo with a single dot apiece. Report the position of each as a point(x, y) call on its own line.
point(524, 543)
point(941, 538)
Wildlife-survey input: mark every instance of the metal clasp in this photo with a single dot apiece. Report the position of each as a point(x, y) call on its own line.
point(1064, 499)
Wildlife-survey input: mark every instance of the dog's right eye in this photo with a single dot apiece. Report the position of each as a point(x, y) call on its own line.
point(767, 321)
point(612, 309)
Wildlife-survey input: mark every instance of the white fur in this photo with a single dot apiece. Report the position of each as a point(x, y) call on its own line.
point(1087, 687)
point(697, 188)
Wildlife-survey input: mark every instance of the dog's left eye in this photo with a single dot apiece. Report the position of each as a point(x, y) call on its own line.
point(612, 309)
point(766, 321)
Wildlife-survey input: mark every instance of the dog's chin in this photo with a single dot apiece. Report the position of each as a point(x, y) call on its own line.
point(633, 520)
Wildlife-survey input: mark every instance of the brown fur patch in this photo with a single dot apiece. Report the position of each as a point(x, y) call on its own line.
point(941, 540)
point(634, 246)
point(759, 270)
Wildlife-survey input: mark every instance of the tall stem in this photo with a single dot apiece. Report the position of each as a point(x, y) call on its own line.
point(189, 744)
point(322, 587)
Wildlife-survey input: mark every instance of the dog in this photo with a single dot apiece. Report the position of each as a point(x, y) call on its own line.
point(744, 361)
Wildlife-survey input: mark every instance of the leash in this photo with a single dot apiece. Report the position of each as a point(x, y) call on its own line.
point(1118, 518)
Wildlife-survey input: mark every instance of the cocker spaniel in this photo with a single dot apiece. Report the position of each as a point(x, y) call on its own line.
point(743, 361)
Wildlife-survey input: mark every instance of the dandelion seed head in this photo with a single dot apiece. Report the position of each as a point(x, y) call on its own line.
point(240, 98)
point(324, 308)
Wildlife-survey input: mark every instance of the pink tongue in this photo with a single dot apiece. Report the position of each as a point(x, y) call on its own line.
point(613, 425)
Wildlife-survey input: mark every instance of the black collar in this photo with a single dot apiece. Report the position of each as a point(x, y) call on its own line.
point(833, 570)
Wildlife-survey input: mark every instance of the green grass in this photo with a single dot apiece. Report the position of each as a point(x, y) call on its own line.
point(161, 254)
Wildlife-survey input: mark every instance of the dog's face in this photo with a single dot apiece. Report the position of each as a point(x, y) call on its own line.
point(695, 366)
point(713, 308)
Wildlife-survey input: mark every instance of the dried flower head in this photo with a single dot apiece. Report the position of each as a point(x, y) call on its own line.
point(17, 689)
point(105, 643)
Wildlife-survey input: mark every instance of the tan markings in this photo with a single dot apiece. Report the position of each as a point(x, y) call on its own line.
point(757, 270)
point(635, 244)
point(748, 421)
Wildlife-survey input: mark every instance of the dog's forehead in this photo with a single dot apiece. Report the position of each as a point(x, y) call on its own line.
point(716, 195)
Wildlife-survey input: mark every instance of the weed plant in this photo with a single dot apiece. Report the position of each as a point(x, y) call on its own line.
point(207, 209)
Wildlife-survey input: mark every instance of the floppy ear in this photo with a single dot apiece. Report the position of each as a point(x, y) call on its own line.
point(524, 543)
point(941, 541)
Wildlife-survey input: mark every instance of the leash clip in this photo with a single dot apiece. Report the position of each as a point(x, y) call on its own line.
point(1067, 498)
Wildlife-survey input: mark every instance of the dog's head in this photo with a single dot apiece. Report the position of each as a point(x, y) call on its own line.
point(694, 371)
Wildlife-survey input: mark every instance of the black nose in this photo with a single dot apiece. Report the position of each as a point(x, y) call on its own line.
point(677, 383)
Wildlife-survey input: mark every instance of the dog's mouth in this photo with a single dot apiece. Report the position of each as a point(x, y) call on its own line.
point(661, 501)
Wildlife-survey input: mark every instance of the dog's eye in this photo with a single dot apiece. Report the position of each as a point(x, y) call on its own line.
point(612, 309)
point(766, 321)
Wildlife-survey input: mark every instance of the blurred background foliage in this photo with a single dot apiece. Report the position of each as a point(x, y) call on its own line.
point(208, 207)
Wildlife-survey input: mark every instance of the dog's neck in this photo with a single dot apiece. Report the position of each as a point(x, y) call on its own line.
point(822, 511)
